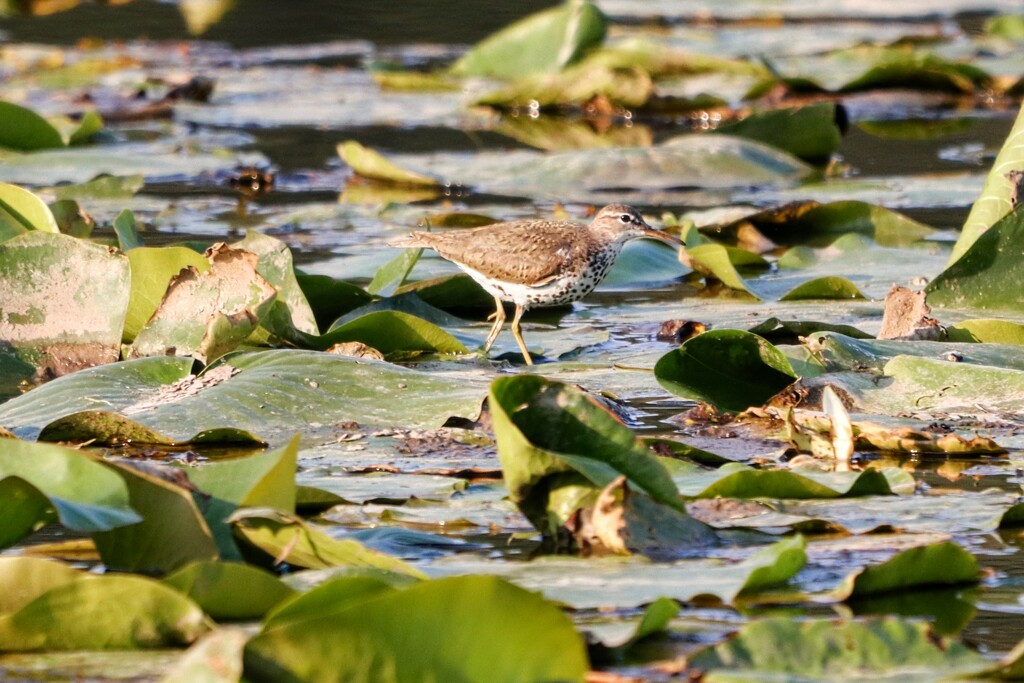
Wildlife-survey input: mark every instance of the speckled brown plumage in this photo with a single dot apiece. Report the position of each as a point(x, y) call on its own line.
point(538, 262)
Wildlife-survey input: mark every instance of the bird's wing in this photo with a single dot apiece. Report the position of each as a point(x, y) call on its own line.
point(522, 252)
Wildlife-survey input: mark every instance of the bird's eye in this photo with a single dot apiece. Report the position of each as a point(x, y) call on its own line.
point(626, 218)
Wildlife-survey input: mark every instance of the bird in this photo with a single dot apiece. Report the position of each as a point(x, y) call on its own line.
point(534, 263)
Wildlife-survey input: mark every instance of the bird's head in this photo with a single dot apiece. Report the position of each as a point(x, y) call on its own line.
point(620, 223)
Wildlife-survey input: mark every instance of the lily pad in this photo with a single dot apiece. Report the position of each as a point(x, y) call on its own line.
point(274, 537)
point(26, 130)
point(825, 650)
point(230, 590)
point(544, 42)
point(23, 579)
point(78, 616)
point(22, 211)
point(715, 261)
point(809, 132)
point(987, 276)
point(153, 268)
point(85, 495)
point(206, 315)
point(737, 480)
point(372, 165)
point(828, 287)
point(63, 301)
point(929, 566)
point(545, 428)
point(730, 369)
point(273, 393)
point(995, 200)
point(986, 331)
point(473, 628)
point(394, 333)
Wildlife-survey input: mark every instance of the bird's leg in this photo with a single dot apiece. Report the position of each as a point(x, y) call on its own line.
point(499, 320)
point(519, 335)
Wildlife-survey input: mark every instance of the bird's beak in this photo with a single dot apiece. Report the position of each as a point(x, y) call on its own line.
point(662, 236)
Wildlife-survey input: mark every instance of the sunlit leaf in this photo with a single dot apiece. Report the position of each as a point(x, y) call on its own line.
point(276, 538)
point(730, 369)
point(714, 260)
point(206, 315)
point(741, 481)
point(230, 590)
point(995, 200)
point(291, 311)
point(471, 628)
point(986, 331)
point(828, 287)
point(127, 231)
point(923, 567)
point(104, 612)
point(22, 211)
point(23, 579)
point(545, 428)
point(172, 532)
point(826, 650)
point(153, 268)
point(63, 300)
point(809, 132)
point(544, 42)
point(372, 165)
point(394, 332)
point(101, 187)
point(988, 275)
point(215, 658)
point(86, 495)
point(26, 130)
point(392, 274)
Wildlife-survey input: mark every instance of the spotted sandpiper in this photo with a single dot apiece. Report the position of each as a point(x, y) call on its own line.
point(538, 262)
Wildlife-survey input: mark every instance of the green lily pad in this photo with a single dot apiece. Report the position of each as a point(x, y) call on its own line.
point(788, 331)
point(63, 300)
point(987, 276)
point(153, 268)
point(737, 480)
point(274, 537)
point(330, 298)
point(261, 480)
point(290, 311)
point(393, 333)
point(273, 393)
point(824, 650)
point(730, 369)
point(627, 87)
point(545, 429)
point(885, 226)
point(994, 203)
point(809, 132)
point(26, 130)
point(172, 532)
point(215, 658)
point(22, 211)
point(230, 590)
point(841, 352)
point(102, 186)
point(85, 495)
point(127, 231)
point(1007, 26)
point(207, 315)
point(23, 579)
point(78, 616)
point(544, 42)
point(930, 566)
point(372, 165)
point(986, 331)
point(715, 261)
point(828, 287)
point(472, 628)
